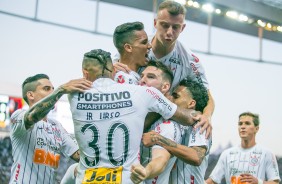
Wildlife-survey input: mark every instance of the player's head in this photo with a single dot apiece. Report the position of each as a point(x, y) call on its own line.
point(97, 63)
point(191, 95)
point(131, 40)
point(36, 87)
point(170, 21)
point(157, 75)
point(248, 125)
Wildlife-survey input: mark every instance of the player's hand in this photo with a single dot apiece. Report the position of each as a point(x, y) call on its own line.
point(149, 139)
point(204, 122)
point(76, 85)
point(248, 178)
point(138, 173)
point(121, 67)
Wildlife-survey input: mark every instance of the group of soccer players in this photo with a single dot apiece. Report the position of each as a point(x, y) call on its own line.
point(122, 101)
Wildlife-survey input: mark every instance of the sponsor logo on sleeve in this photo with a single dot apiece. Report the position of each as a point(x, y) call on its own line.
point(196, 72)
point(160, 100)
point(196, 59)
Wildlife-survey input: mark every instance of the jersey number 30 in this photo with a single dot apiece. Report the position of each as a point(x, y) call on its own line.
point(93, 144)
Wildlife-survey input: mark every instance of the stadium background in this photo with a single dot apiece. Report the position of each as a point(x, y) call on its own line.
point(243, 61)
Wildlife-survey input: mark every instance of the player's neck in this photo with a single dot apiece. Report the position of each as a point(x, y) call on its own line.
point(245, 143)
point(130, 63)
point(160, 49)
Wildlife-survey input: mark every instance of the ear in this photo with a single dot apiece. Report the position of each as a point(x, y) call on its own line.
point(30, 95)
point(192, 104)
point(257, 129)
point(127, 47)
point(165, 88)
point(183, 27)
point(85, 74)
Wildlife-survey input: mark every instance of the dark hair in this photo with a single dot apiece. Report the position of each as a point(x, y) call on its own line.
point(31, 83)
point(174, 8)
point(166, 71)
point(254, 116)
point(101, 56)
point(198, 92)
point(124, 33)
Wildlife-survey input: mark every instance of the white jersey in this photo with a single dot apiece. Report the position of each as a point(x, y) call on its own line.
point(108, 123)
point(171, 130)
point(183, 63)
point(186, 173)
point(257, 161)
point(127, 78)
point(36, 151)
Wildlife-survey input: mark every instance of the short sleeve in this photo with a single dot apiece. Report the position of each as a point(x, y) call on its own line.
point(17, 122)
point(159, 103)
point(272, 171)
point(197, 139)
point(219, 171)
point(69, 145)
point(166, 129)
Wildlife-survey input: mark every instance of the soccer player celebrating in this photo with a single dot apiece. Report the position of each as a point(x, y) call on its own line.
point(37, 139)
point(109, 119)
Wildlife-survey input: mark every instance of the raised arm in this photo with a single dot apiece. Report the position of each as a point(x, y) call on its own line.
point(39, 110)
point(205, 120)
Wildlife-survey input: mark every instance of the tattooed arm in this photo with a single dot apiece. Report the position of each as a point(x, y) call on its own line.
point(190, 155)
point(40, 109)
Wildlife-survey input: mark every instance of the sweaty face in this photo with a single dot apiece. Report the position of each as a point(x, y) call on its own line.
point(246, 127)
point(168, 26)
point(181, 97)
point(152, 77)
point(141, 48)
point(43, 89)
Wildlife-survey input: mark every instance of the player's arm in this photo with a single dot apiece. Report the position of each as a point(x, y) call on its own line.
point(75, 156)
point(190, 155)
point(150, 119)
point(39, 110)
point(156, 166)
point(188, 117)
point(207, 114)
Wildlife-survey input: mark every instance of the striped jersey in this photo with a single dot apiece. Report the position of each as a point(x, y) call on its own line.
point(189, 174)
point(183, 63)
point(171, 130)
point(36, 151)
point(256, 161)
point(108, 124)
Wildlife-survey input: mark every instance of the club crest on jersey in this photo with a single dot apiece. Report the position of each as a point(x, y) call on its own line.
point(254, 160)
point(175, 61)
